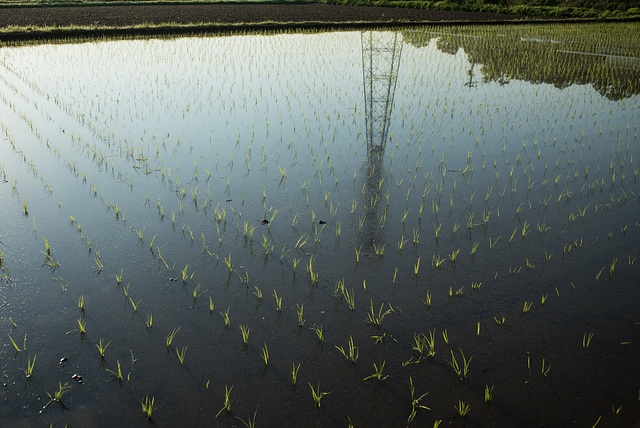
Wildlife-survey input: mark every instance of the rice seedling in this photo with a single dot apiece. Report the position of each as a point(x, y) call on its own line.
point(134, 305)
point(118, 372)
point(227, 401)
point(599, 273)
point(225, 317)
point(294, 373)
point(318, 330)
point(352, 352)
point(171, 336)
point(313, 275)
point(249, 423)
point(265, 355)
point(358, 254)
point(445, 336)
point(612, 267)
point(462, 408)
point(82, 325)
point(427, 300)
point(416, 268)
point(586, 339)
point(545, 371)
point(81, 302)
point(415, 401)
point(488, 393)
point(378, 373)
point(56, 397)
point(278, 301)
point(227, 261)
point(147, 406)
point(257, 292)
point(460, 370)
point(437, 261)
point(244, 329)
point(378, 249)
point(28, 372)
point(526, 307)
point(102, 348)
point(374, 319)
point(299, 311)
point(181, 354)
point(317, 395)
point(499, 321)
point(16, 346)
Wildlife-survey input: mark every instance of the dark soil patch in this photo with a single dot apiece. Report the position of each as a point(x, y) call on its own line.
point(127, 15)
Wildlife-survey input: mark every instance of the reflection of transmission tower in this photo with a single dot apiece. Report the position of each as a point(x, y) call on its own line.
point(380, 62)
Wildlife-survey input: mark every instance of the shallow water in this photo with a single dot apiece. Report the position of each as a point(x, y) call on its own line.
point(181, 142)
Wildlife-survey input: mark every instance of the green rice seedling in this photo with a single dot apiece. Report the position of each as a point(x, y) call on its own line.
point(586, 339)
point(463, 370)
point(14, 343)
point(395, 274)
point(415, 401)
point(258, 292)
point(313, 275)
point(171, 336)
point(299, 311)
point(249, 423)
point(25, 207)
point(147, 406)
point(118, 372)
point(227, 261)
point(28, 372)
point(478, 329)
point(352, 352)
point(436, 261)
point(459, 292)
point(445, 336)
point(416, 236)
point(476, 285)
point(350, 298)
point(317, 395)
point(99, 265)
point(278, 301)
point(401, 243)
point(499, 321)
point(211, 306)
point(427, 301)
point(225, 317)
point(530, 266)
point(46, 245)
point(525, 229)
point(543, 299)
point(318, 331)
point(81, 302)
point(244, 329)
point(416, 267)
point(599, 273)
point(378, 372)
point(82, 325)
point(57, 396)
point(358, 254)
point(374, 319)
point(526, 307)
point(379, 249)
point(134, 305)
point(474, 248)
point(545, 371)
point(227, 401)
point(294, 373)
point(437, 229)
point(265, 355)
point(462, 408)
point(185, 276)
point(102, 348)
point(488, 393)
point(612, 267)
point(181, 354)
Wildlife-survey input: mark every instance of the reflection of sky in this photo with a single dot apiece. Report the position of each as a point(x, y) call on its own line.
point(301, 89)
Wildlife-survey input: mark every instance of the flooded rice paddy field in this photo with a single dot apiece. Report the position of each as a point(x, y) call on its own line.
point(379, 228)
